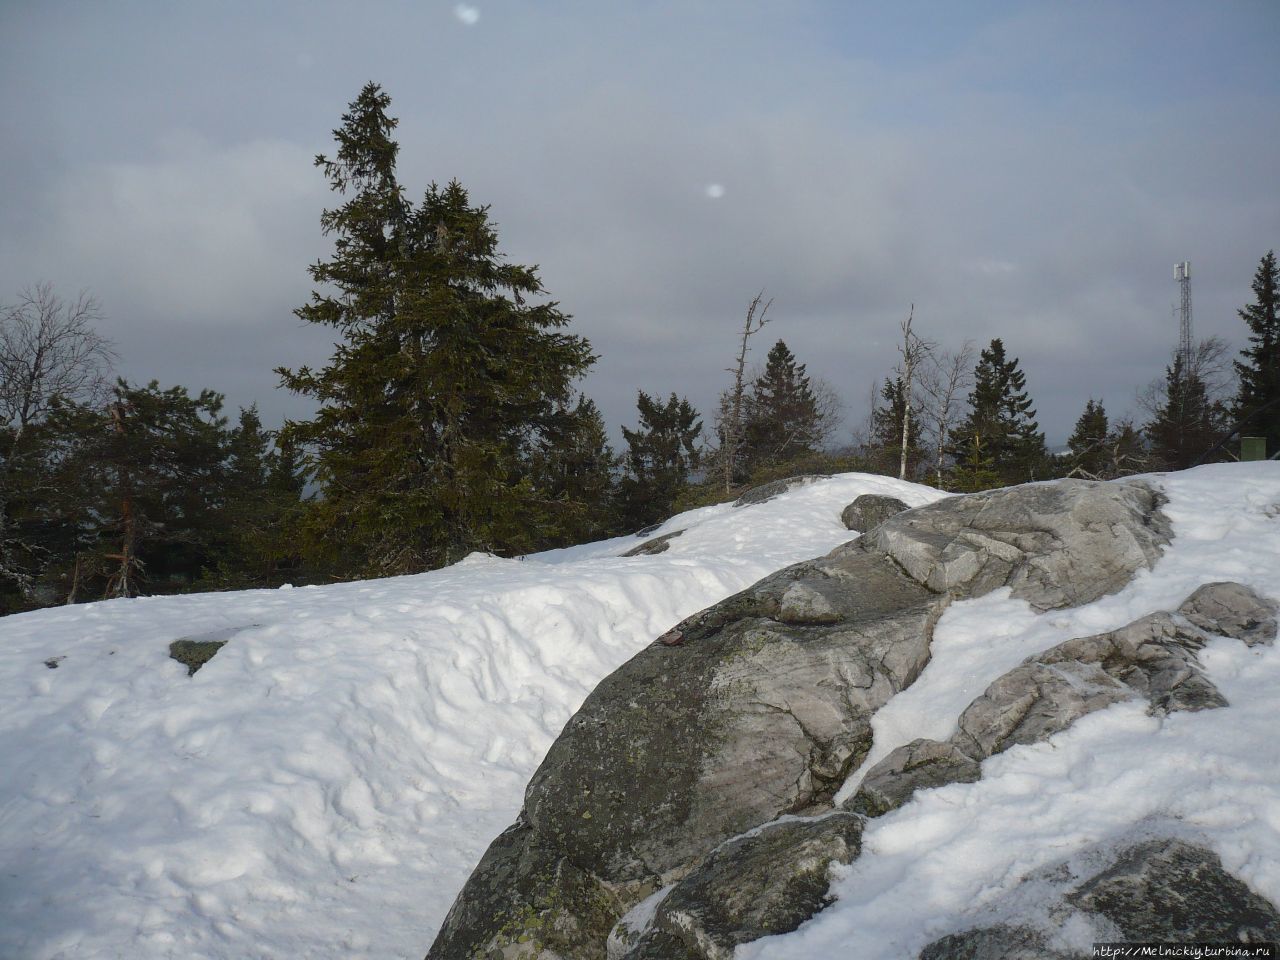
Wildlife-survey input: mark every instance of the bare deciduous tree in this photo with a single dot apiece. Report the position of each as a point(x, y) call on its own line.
point(942, 382)
point(49, 351)
point(914, 350)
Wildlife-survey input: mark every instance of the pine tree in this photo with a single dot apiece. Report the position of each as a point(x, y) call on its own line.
point(447, 380)
point(661, 452)
point(783, 421)
point(1187, 423)
point(1002, 420)
point(1088, 441)
point(1258, 402)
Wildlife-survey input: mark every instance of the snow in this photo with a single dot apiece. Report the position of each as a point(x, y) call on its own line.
point(324, 785)
point(953, 858)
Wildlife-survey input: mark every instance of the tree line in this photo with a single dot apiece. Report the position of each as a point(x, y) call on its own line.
point(449, 420)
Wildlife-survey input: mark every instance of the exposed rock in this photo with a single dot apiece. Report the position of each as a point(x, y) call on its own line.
point(741, 719)
point(766, 883)
point(1161, 889)
point(919, 765)
point(774, 488)
point(194, 654)
point(1056, 544)
point(870, 510)
point(1232, 610)
point(656, 545)
point(1169, 890)
point(993, 943)
point(760, 706)
point(1154, 657)
point(526, 901)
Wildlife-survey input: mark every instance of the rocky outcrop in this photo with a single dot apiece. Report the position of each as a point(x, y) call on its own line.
point(1158, 889)
point(1000, 942)
point(760, 707)
point(1152, 658)
point(774, 488)
point(1170, 890)
point(767, 882)
point(655, 546)
point(1056, 544)
point(870, 510)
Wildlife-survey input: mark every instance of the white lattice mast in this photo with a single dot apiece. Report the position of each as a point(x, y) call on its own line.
point(1182, 273)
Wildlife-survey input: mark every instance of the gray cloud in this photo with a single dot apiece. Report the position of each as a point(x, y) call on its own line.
point(1022, 176)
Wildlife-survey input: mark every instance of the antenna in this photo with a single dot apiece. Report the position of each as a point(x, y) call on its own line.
point(1182, 273)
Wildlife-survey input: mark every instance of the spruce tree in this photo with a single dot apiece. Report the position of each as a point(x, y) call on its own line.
point(449, 375)
point(145, 477)
point(783, 421)
point(574, 467)
point(1258, 401)
point(1187, 423)
point(1088, 441)
point(661, 453)
point(1002, 420)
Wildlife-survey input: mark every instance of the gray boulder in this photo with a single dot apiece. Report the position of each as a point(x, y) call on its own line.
point(655, 546)
point(760, 706)
point(768, 882)
point(1232, 610)
point(870, 510)
point(1056, 544)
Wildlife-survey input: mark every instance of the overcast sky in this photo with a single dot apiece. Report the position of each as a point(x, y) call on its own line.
point(1024, 170)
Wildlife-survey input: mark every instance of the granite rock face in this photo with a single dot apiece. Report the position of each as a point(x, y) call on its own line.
point(760, 707)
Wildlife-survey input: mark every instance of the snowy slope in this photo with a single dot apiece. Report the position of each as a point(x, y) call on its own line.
point(951, 858)
point(324, 785)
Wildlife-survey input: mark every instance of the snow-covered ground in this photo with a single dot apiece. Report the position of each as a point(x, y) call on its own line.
point(324, 785)
point(951, 858)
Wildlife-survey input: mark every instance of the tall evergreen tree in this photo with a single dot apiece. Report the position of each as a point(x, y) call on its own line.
point(262, 499)
point(1088, 441)
point(1258, 402)
point(145, 476)
point(661, 452)
point(446, 381)
point(1187, 423)
point(574, 467)
point(1001, 419)
point(783, 420)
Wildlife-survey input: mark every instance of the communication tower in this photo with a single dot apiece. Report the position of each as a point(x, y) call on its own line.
point(1182, 273)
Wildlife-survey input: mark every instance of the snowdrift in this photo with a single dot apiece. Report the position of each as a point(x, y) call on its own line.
point(323, 786)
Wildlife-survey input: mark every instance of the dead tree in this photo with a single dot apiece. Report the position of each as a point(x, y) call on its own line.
point(731, 413)
point(945, 378)
point(914, 349)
